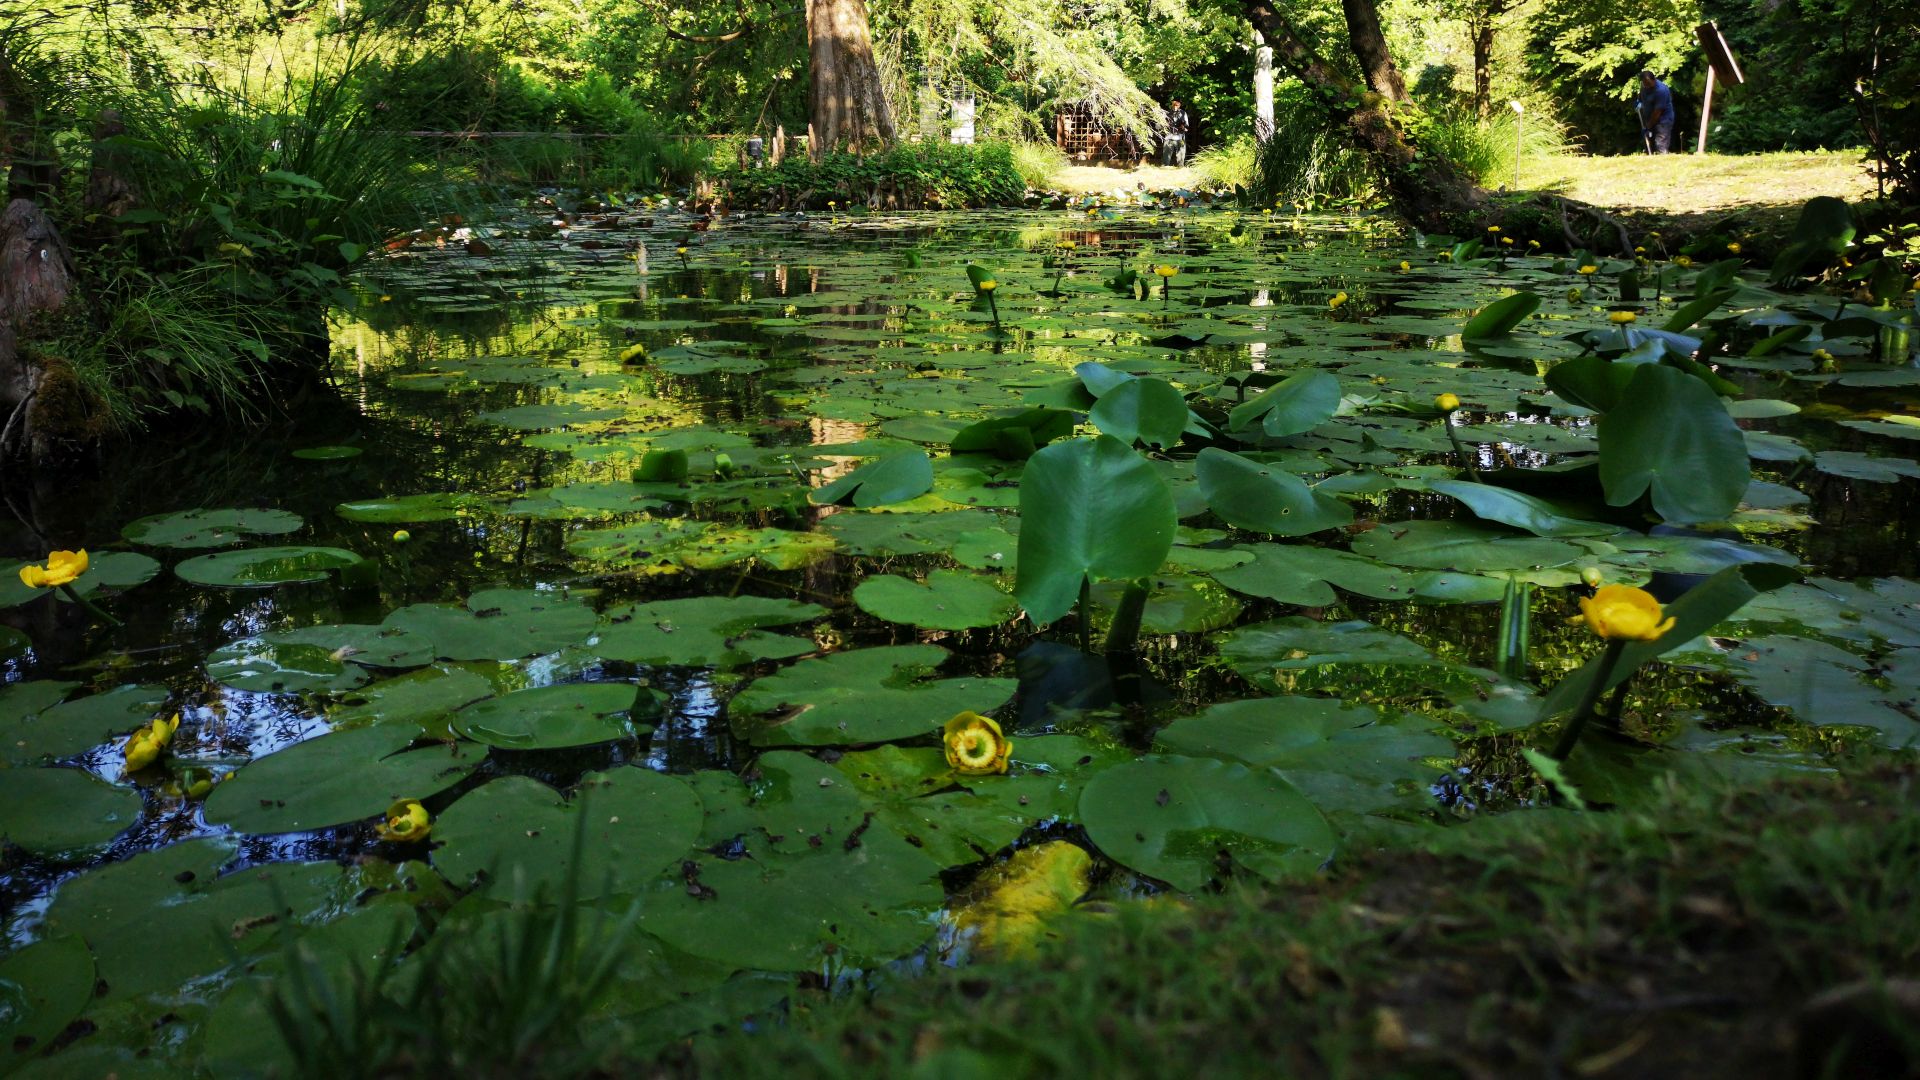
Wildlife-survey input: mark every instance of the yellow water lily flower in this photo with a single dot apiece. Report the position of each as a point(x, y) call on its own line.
point(407, 823)
point(1165, 270)
point(1682, 261)
point(680, 250)
point(1589, 269)
point(401, 536)
point(1066, 245)
point(1338, 299)
point(1533, 245)
point(1733, 248)
point(1508, 240)
point(975, 745)
point(1405, 266)
point(1621, 318)
point(1574, 296)
point(1446, 402)
point(143, 747)
point(1623, 613)
point(61, 569)
point(989, 285)
point(1493, 229)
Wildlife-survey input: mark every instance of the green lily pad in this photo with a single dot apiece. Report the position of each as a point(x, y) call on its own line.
point(552, 717)
point(259, 568)
point(425, 697)
point(1344, 757)
point(1090, 510)
point(1464, 546)
point(45, 985)
point(327, 453)
point(706, 631)
point(413, 509)
point(1299, 403)
point(1519, 510)
point(1142, 410)
point(892, 479)
point(1173, 818)
point(35, 730)
point(861, 696)
point(115, 571)
point(1295, 643)
point(191, 529)
point(316, 659)
point(336, 778)
point(13, 643)
point(1265, 498)
point(64, 813)
point(517, 836)
point(498, 624)
point(906, 533)
point(1670, 438)
point(950, 600)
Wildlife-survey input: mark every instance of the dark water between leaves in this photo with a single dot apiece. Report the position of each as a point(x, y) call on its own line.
point(491, 404)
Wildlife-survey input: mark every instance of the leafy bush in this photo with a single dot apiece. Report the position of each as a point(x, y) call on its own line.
point(1038, 162)
point(1306, 160)
point(1232, 164)
point(909, 176)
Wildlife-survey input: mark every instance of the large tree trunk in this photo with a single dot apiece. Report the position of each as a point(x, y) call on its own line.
point(36, 278)
point(848, 105)
point(1425, 188)
point(1480, 28)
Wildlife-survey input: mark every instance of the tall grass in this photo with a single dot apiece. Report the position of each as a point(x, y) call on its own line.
point(1038, 162)
point(1228, 165)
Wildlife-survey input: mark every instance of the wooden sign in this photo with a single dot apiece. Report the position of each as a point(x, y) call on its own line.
point(1718, 55)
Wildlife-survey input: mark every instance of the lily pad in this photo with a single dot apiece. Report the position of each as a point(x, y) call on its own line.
point(1175, 818)
point(114, 571)
point(892, 479)
point(498, 624)
point(950, 600)
point(34, 730)
point(336, 778)
point(1090, 510)
point(316, 658)
point(553, 717)
point(191, 529)
point(1265, 498)
point(45, 985)
point(327, 453)
point(260, 568)
point(517, 836)
point(706, 631)
point(64, 814)
point(861, 696)
point(412, 509)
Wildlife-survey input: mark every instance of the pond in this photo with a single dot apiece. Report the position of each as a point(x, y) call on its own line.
point(656, 577)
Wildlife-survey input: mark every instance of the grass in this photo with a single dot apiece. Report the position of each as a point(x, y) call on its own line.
point(1719, 930)
point(1757, 926)
point(1685, 192)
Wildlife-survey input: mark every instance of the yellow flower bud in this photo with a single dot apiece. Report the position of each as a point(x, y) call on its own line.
point(1621, 318)
point(1165, 270)
point(1682, 261)
point(1337, 299)
point(989, 285)
point(1733, 248)
point(407, 823)
point(1623, 613)
point(1589, 269)
point(1405, 266)
point(975, 745)
point(401, 536)
point(1446, 402)
point(1591, 576)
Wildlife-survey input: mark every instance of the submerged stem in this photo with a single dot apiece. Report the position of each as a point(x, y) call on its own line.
point(74, 595)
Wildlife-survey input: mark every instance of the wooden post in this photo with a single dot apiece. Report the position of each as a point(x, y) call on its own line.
point(1706, 112)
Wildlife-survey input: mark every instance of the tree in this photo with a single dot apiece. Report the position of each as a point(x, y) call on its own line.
point(848, 104)
point(1425, 188)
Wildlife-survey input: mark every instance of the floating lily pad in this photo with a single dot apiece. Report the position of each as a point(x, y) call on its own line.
point(892, 479)
point(114, 571)
point(35, 730)
point(1174, 818)
point(413, 509)
point(1296, 643)
point(45, 985)
point(316, 658)
point(259, 568)
point(552, 717)
point(64, 813)
point(190, 529)
point(1342, 756)
point(517, 835)
point(327, 453)
point(552, 415)
point(425, 697)
point(1459, 545)
point(336, 778)
point(949, 600)
point(498, 624)
point(707, 631)
point(866, 695)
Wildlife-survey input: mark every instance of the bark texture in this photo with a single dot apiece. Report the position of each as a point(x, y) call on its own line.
point(848, 105)
point(1426, 189)
point(36, 278)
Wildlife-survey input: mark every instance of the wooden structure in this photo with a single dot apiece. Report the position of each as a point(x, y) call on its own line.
point(1083, 137)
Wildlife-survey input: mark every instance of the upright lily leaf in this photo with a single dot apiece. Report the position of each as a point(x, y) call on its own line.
point(892, 479)
point(1090, 509)
point(1300, 402)
point(1501, 316)
point(1519, 510)
point(1142, 410)
point(1265, 498)
point(1670, 437)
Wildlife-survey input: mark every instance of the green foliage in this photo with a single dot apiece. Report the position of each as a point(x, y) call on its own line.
point(909, 176)
point(1231, 164)
point(1038, 162)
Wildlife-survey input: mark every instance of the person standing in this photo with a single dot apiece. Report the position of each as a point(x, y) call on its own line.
point(1173, 151)
point(1654, 103)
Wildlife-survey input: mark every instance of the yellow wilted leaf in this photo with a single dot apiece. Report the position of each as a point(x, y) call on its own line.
point(1008, 908)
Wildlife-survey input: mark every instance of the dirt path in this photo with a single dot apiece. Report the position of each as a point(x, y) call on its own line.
point(1092, 179)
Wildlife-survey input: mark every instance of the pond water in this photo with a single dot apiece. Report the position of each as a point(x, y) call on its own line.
point(475, 576)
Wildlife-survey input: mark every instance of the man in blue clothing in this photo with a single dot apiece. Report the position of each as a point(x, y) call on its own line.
point(1654, 103)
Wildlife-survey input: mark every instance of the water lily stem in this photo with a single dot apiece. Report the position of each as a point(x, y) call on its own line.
point(90, 606)
point(1086, 614)
point(1466, 461)
point(1124, 632)
point(994, 307)
point(1570, 735)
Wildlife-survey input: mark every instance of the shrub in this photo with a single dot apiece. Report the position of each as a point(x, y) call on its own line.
point(1038, 162)
point(911, 176)
point(1232, 164)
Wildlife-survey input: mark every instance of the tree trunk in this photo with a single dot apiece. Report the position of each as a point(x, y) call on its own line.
point(1262, 88)
point(1481, 30)
point(848, 106)
point(1426, 189)
point(36, 278)
point(1370, 48)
